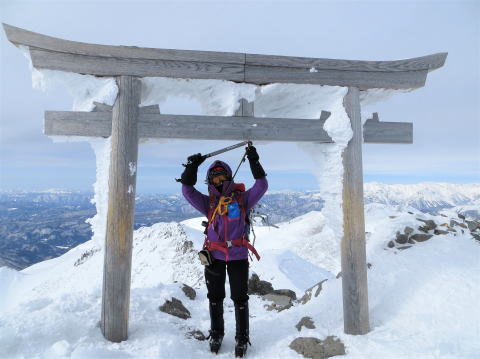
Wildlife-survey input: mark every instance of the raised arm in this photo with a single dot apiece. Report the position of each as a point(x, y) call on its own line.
point(189, 178)
point(254, 194)
point(198, 200)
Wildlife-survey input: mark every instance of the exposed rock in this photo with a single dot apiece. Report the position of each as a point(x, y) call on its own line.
point(369, 265)
point(259, 287)
point(429, 224)
point(392, 217)
point(443, 215)
point(391, 244)
point(410, 212)
point(423, 229)
point(439, 231)
point(315, 291)
point(339, 275)
point(175, 307)
point(473, 226)
point(318, 349)
point(451, 230)
point(306, 322)
point(189, 291)
point(476, 236)
point(444, 224)
point(187, 246)
point(85, 256)
point(196, 334)
point(287, 292)
point(419, 237)
point(461, 216)
point(280, 302)
point(408, 230)
point(404, 247)
point(401, 238)
point(455, 223)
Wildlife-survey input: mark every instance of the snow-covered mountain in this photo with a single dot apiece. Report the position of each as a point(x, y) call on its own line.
point(423, 299)
point(35, 226)
point(426, 197)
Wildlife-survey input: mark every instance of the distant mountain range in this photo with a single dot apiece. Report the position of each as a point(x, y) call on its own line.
point(35, 226)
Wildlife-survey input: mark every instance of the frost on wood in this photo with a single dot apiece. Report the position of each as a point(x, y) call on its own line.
point(85, 90)
point(217, 97)
point(102, 149)
point(132, 166)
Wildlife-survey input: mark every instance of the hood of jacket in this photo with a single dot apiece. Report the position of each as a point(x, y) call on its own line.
point(228, 186)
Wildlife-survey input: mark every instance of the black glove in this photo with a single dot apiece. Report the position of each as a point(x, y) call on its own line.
point(196, 159)
point(255, 166)
point(189, 176)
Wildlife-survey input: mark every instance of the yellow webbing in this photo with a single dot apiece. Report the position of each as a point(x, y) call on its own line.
point(222, 206)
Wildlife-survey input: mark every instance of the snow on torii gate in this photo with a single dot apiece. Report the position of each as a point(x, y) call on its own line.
point(126, 122)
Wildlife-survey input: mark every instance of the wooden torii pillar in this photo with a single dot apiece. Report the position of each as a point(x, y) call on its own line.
point(126, 123)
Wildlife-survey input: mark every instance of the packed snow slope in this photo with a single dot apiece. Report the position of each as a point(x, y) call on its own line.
point(423, 300)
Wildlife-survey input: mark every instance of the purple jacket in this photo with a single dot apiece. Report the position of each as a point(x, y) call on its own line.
point(230, 226)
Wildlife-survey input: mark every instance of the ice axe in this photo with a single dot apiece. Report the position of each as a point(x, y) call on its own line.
point(226, 149)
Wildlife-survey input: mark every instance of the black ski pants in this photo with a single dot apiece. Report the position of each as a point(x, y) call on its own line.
point(237, 274)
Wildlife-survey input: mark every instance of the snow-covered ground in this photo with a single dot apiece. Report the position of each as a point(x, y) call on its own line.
point(423, 300)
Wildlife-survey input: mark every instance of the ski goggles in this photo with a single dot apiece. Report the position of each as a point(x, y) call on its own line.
point(217, 171)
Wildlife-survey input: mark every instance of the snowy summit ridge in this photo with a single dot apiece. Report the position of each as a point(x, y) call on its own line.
point(422, 300)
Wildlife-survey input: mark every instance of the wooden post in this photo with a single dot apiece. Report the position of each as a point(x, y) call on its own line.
point(354, 263)
point(121, 203)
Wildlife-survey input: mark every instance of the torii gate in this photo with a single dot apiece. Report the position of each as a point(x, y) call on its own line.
point(126, 122)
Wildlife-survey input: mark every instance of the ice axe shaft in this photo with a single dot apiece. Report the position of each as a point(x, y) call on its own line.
point(226, 149)
point(211, 154)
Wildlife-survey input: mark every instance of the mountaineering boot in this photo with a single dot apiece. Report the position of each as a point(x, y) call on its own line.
point(216, 325)
point(242, 329)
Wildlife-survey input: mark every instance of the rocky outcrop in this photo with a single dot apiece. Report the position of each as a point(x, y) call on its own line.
point(286, 292)
point(189, 292)
point(280, 299)
point(429, 229)
point(306, 322)
point(318, 349)
point(176, 308)
point(196, 334)
point(473, 225)
point(259, 287)
point(421, 237)
point(279, 302)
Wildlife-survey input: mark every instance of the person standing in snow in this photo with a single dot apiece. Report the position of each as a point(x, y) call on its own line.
point(226, 208)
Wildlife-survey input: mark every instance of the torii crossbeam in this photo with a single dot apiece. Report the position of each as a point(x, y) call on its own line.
point(126, 123)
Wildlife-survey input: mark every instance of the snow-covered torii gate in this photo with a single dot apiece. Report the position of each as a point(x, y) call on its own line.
point(126, 123)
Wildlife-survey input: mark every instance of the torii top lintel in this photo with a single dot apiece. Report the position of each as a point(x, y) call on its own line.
point(105, 60)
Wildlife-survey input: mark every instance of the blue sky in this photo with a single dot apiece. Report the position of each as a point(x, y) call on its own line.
point(445, 113)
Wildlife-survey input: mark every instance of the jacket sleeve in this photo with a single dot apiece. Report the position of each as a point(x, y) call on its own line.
point(198, 200)
point(253, 195)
